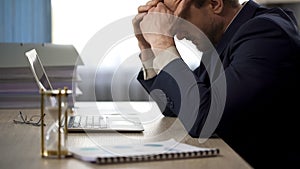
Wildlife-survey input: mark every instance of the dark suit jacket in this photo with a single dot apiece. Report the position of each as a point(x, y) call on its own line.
point(258, 116)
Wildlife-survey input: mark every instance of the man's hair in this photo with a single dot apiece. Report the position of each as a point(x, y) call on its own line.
point(232, 3)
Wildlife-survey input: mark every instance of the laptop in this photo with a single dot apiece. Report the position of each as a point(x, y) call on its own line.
point(85, 121)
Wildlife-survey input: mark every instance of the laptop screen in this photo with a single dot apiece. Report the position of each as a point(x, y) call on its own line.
point(38, 70)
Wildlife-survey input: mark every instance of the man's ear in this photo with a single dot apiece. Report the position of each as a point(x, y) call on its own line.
point(216, 6)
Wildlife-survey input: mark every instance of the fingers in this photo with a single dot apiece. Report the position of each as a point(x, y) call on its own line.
point(172, 5)
point(139, 17)
point(149, 5)
point(161, 8)
point(182, 8)
point(144, 8)
point(153, 2)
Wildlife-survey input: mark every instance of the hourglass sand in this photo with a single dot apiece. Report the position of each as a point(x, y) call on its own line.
point(54, 104)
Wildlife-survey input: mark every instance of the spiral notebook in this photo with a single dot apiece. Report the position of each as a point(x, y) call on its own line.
point(151, 151)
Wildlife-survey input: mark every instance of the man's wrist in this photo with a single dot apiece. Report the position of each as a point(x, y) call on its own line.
point(144, 46)
point(146, 54)
point(148, 71)
point(165, 57)
point(152, 65)
point(162, 45)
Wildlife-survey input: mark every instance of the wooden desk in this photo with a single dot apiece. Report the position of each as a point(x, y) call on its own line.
point(20, 145)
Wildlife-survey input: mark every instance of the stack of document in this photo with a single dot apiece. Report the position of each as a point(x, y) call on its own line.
point(18, 88)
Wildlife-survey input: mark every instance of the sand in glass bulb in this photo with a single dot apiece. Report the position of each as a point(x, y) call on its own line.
point(51, 109)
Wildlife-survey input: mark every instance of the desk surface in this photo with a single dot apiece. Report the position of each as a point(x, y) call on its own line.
point(20, 143)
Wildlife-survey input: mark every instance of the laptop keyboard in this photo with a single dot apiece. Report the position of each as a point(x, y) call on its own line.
point(89, 122)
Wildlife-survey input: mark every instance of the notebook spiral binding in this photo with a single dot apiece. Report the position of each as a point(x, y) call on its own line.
point(156, 157)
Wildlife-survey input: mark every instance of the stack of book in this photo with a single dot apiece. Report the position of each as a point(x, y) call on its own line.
point(18, 88)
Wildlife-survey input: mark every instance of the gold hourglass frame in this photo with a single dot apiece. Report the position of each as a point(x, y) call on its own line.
point(61, 96)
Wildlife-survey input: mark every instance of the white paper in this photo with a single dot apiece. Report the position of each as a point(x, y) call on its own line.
point(126, 150)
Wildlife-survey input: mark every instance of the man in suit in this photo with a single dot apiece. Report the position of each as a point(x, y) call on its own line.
point(245, 87)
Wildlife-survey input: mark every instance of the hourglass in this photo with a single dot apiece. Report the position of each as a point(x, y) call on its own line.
point(54, 104)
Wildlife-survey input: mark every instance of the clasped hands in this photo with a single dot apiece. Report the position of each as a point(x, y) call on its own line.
point(154, 26)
